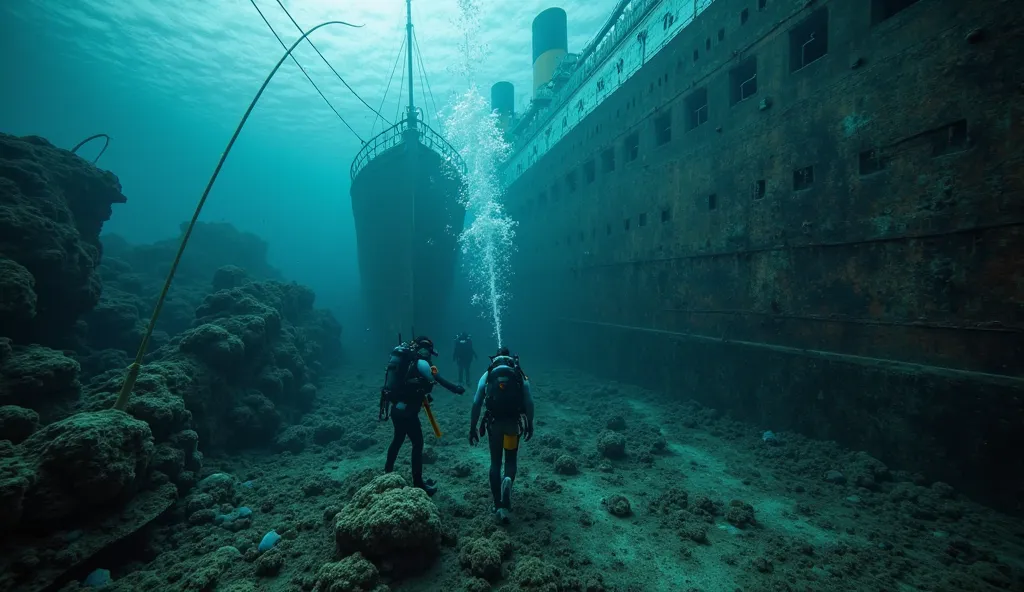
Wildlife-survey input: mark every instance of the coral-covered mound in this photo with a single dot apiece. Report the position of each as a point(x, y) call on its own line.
point(352, 574)
point(387, 520)
point(37, 377)
point(52, 207)
point(218, 257)
point(249, 364)
point(74, 466)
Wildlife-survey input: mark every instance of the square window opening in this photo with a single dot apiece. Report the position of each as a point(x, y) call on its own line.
point(632, 146)
point(761, 4)
point(707, 44)
point(803, 178)
point(589, 171)
point(808, 41)
point(663, 129)
point(712, 202)
point(951, 138)
point(873, 161)
point(643, 220)
point(885, 9)
point(696, 54)
point(696, 108)
point(570, 181)
point(743, 80)
point(625, 224)
point(744, 16)
point(721, 34)
point(757, 190)
point(608, 160)
point(666, 215)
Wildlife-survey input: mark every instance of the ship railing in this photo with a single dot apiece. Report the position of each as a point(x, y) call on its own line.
point(399, 133)
point(599, 50)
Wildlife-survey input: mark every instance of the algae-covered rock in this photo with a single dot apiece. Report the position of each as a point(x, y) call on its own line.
point(85, 461)
point(52, 207)
point(214, 345)
point(17, 423)
point(228, 277)
point(17, 293)
point(352, 574)
point(36, 377)
point(387, 519)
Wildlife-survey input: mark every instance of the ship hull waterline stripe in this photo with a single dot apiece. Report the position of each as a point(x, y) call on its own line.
point(904, 367)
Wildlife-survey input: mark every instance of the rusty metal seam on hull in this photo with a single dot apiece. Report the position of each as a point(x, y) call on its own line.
point(768, 249)
point(907, 367)
point(850, 321)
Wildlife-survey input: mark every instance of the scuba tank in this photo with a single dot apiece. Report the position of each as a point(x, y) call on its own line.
point(394, 376)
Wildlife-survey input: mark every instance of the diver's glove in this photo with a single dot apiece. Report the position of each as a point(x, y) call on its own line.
point(473, 436)
point(528, 432)
point(451, 386)
point(430, 398)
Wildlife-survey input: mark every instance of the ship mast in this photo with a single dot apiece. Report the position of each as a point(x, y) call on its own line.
point(408, 42)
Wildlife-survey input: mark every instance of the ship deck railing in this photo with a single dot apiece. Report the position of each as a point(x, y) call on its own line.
point(597, 52)
point(396, 135)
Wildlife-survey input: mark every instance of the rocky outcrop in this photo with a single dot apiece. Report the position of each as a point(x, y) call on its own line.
point(38, 378)
point(247, 366)
point(73, 467)
point(386, 520)
point(52, 207)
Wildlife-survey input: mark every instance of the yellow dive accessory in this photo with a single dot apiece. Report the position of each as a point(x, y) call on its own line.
point(430, 416)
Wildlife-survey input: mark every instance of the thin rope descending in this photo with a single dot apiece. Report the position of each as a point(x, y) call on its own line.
point(133, 370)
point(329, 64)
point(401, 88)
point(89, 139)
point(278, 37)
point(437, 112)
point(423, 91)
point(388, 87)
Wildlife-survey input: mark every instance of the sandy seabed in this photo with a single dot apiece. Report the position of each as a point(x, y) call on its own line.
point(620, 489)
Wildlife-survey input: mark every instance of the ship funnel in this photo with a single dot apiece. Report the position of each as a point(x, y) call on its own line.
point(503, 100)
point(550, 43)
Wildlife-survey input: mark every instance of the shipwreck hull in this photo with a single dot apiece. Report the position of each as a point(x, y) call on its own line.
point(408, 216)
point(835, 253)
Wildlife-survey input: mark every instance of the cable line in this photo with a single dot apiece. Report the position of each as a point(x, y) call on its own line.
point(278, 37)
point(388, 87)
point(310, 42)
point(437, 113)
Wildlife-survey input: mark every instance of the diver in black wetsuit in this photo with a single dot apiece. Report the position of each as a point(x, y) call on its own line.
point(463, 355)
point(407, 385)
point(505, 391)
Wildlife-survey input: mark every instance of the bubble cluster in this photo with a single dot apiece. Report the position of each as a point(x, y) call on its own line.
point(487, 242)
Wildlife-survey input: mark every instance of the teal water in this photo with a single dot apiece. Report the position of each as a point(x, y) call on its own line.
point(168, 81)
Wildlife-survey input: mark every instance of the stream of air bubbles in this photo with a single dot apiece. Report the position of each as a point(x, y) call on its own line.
point(487, 242)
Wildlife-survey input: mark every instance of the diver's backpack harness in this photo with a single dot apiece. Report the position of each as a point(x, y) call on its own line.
point(504, 391)
point(402, 384)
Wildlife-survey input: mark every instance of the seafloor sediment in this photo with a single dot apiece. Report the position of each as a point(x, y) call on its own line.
point(620, 490)
point(249, 459)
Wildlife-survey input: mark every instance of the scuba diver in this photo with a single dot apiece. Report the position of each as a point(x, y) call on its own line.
point(408, 381)
point(505, 392)
point(463, 355)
